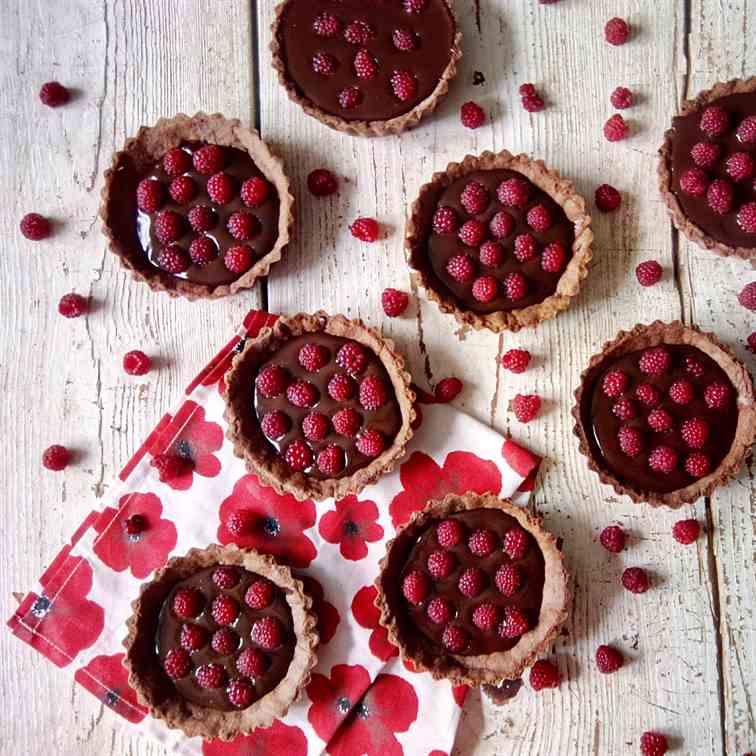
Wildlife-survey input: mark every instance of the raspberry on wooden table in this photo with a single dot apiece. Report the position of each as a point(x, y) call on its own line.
point(365, 229)
point(54, 94)
point(616, 129)
point(394, 302)
point(607, 198)
point(653, 744)
point(526, 407)
point(648, 273)
point(612, 538)
point(251, 662)
point(516, 360)
point(747, 296)
point(322, 183)
point(447, 389)
point(533, 103)
point(544, 674)
point(635, 580)
point(136, 362)
point(35, 227)
point(472, 115)
point(686, 531)
point(621, 98)
point(267, 633)
point(617, 31)
point(56, 457)
point(72, 305)
point(608, 659)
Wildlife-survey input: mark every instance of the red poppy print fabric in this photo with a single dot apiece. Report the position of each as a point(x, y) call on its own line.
point(352, 524)
point(106, 678)
point(366, 613)
point(279, 738)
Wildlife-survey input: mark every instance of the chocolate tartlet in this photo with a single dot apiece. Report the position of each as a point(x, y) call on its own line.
point(472, 588)
point(221, 642)
point(499, 240)
point(665, 414)
point(197, 206)
point(366, 68)
point(707, 169)
point(319, 406)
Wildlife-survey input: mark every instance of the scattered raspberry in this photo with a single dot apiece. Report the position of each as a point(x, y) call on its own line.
point(508, 579)
point(35, 227)
point(240, 522)
point(441, 564)
point(449, 533)
point(461, 268)
point(322, 183)
point(516, 360)
point(346, 422)
point(717, 395)
point(525, 248)
point(617, 31)
point(655, 361)
point(202, 250)
point(533, 103)
point(697, 464)
point(404, 40)
point(485, 617)
point(471, 582)
point(624, 409)
point(136, 362)
point(358, 32)
point(373, 393)
point(516, 285)
point(240, 694)
point(302, 393)
point(56, 457)
point(612, 538)
point(352, 358)
point(312, 357)
point(169, 467)
point(608, 659)
point(635, 580)
point(72, 305)
point(515, 543)
point(614, 383)
point(747, 218)
point(220, 188)
point(630, 441)
point(415, 587)
point(485, 289)
point(251, 662)
point(404, 85)
point(454, 638)
point(740, 166)
point(659, 420)
point(621, 98)
point(169, 226)
point(267, 633)
point(694, 182)
point(135, 524)
point(445, 220)
point(224, 610)
point(475, 198)
point(259, 594)
point(242, 226)
point(544, 674)
point(513, 192)
point(209, 159)
point(553, 257)
point(607, 198)
point(149, 195)
point(202, 218)
point(472, 233)
point(350, 97)
point(681, 392)
point(365, 229)
point(746, 132)
point(182, 190)
point(648, 273)
point(177, 663)
point(526, 407)
point(439, 611)
point(326, 25)
point(394, 302)
point(193, 637)
point(298, 455)
point(482, 543)
point(539, 218)
point(210, 676)
point(173, 259)
point(527, 90)
point(275, 424)
point(187, 603)
point(501, 225)
point(224, 641)
point(54, 94)
point(705, 154)
point(238, 259)
point(616, 128)
point(646, 394)
point(663, 459)
point(747, 296)
point(272, 381)
point(225, 577)
point(694, 367)
point(686, 531)
point(472, 115)
point(365, 67)
point(447, 389)
point(653, 744)
point(370, 443)
point(331, 460)
point(720, 196)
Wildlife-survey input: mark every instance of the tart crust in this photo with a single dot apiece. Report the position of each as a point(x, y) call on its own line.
point(395, 125)
point(486, 668)
point(248, 440)
point(154, 689)
point(561, 190)
point(664, 171)
point(148, 146)
point(658, 332)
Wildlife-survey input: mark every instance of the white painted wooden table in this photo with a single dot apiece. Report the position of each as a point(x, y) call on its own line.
point(691, 640)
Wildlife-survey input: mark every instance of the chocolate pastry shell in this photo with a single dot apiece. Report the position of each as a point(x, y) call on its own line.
point(664, 172)
point(147, 147)
point(155, 690)
point(396, 125)
point(657, 333)
point(485, 668)
point(248, 439)
point(559, 189)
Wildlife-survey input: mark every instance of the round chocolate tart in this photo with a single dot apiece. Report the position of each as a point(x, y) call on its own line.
point(366, 68)
point(707, 169)
point(197, 206)
point(221, 642)
point(319, 406)
point(472, 588)
point(665, 414)
point(499, 240)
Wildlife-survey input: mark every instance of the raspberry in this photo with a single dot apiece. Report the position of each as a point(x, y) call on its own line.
point(415, 587)
point(373, 393)
point(149, 195)
point(659, 420)
point(471, 582)
point(56, 457)
point(193, 637)
point(705, 154)
point(365, 229)
point(747, 218)
point(302, 393)
point(449, 533)
point(135, 524)
point(243, 226)
point(441, 564)
point(686, 531)
point(514, 624)
point(472, 115)
point(182, 190)
point(439, 611)
point(221, 188)
point(331, 460)
point(35, 227)
point(513, 192)
point(485, 289)
point(415, 6)
point(241, 522)
point(751, 342)
point(539, 218)
point(202, 250)
point(485, 617)
point(527, 90)
point(720, 196)
point(404, 40)
point(717, 395)
point(515, 543)
point(394, 302)
point(655, 361)
point(225, 577)
point(491, 254)
point(607, 198)
point(350, 97)
point(646, 394)
point(694, 367)
point(240, 693)
point(298, 455)
point(630, 441)
point(224, 610)
point(365, 66)
point(461, 268)
point(341, 387)
point(352, 358)
point(136, 362)
point(508, 579)
point(272, 381)
point(681, 392)
point(516, 360)
point(697, 465)
point(624, 409)
point(454, 637)
point(694, 182)
point(714, 121)
point(747, 296)
point(322, 183)
point(501, 225)
point(202, 218)
point(740, 166)
point(472, 233)
point(251, 662)
point(370, 443)
point(169, 467)
point(746, 132)
point(357, 33)
point(187, 603)
point(663, 459)
point(608, 659)
point(612, 538)
point(169, 226)
point(259, 594)
point(553, 258)
point(404, 85)
point(533, 103)
point(617, 31)
point(475, 198)
point(275, 424)
point(177, 663)
point(653, 744)
point(209, 159)
point(614, 383)
point(210, 676)
point(238, 259)
point(72, 305)
point(526, 407)
point(648, 273)
point(267, 633)
point(313, 357)
point(635, 580)
point(173, 259)
point(515, 286)
point(447, 389)
point(482, 543)
point(176, 162)
point(346, 422)
point(616, 128)
point(525, 248)
point(54, 94)
point(445, 221)
point(544, 674)
point(224, 641)
point(621, 98)
point(326, 25)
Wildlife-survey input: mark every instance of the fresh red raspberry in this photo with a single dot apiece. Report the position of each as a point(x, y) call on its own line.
point(35, 227)
point(373, 393)
point(539, 218)
point(241, 522)
point(717, 395)
point(370, 443)
point(56, 457)
point(187, 603)
point(326, 25)
point(472, 115)
point(471, 582)
point(740, 166)
point(648, 273)
point(441, 564)
point(617, 31)
point(514, 624)
point(681, 392)
point(358, 32)
point(697, 464)
point(415, 6)
point(352, 358)
point(135, 524)
point(331, 460)
point(508, 579)
point(659, 420)
point(242, 226)
point(202, 250)
point(525, 248)
point(173, 259)
point(176, 162)
point(149, 195)
point(365, 67)
point(607, 198)
point(322, 183)
point(472, 233)
point(225, 577)
point(302, 393)
point(516, 360)
point(630, 441)
point(486, 617)
point(365, 229)
point(192, 637)
point(663, 459)
point(54, 94)
point(616, 128)
point(647, 395)
point(177, 663)
point(491, 254)
point(240, 694)
point(705, 154)
point(136, 362)
point(210, 676)
point(447, 390)
point(445, 221)
point(238, 259)
point(454, 637)
point(461, 268)
point(501, 225)
point(224, 610)
point(621, 98)
point(694, 182)
point(513, 192)
point(224, 641)
point(439, 611)
point(515, 543)
point(168, 467)
point(341, 387)
point(275, 424)
point(533, 103)
point(209, 159)
point(404, 40)
point(526, 407)
point(614, 383)
point(655, 361)
point(221, 188)
point(169, 226)
point(515, 285)
point(751, 342)
point(612, 538)
point(527, 90)
point(449, 533)
point(624, 409)
point(635, 580)
point(272, 381)
point(544, 674)
point(686, 531)
point(259, 594)
point(202, 218)
point(485, 289)
point(747, 296)
point(482, 543)
point(653, 744)
point(415, 587)
point(714, 121)
point(298, 455)
point(394, 302)
point(350, 97)
point(182, 190)
point(694, 367)
point(267, 633)
point(747, 218)
point(608, 659)
point(475, 198)
point(346, 422)
point(553, 258)
point(746, 132)
point(312, 357)
point(251, 662)
point(720, 196)
point(72, 305)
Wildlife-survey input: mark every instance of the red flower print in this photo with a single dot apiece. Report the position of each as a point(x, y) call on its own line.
point(367, 614)
point(149, 442)
point(521, 460)
point(460, 694)
point(143, 552)
point(351, 524)
point(278, 738)
point(328, 614)
point(278, 522)
point(194, 439)
point(106, 678)
point(436, 752)
point(423, 480)
point(354, 717)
